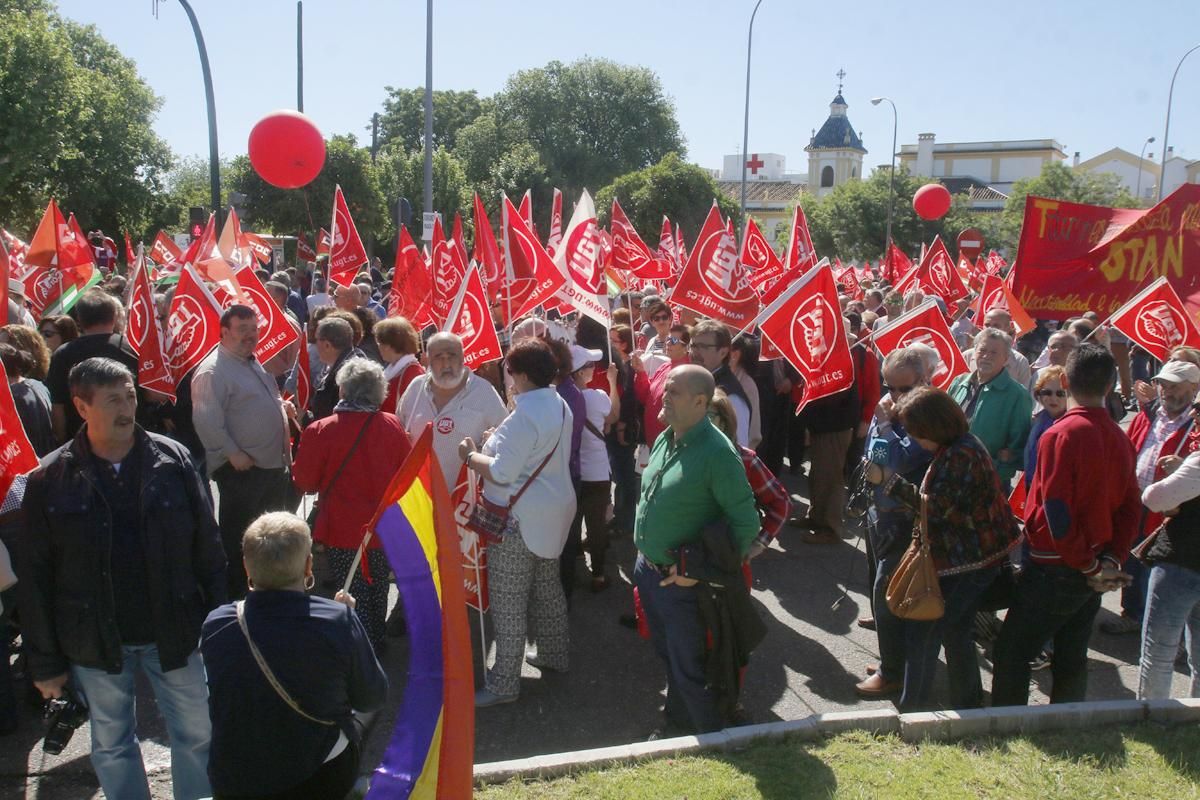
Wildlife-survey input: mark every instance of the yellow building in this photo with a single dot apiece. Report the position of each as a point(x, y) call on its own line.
point(997, 165)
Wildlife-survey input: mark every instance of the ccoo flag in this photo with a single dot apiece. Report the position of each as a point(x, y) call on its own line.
point(432, 748)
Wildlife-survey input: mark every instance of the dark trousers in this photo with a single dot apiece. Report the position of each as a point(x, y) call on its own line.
point(621, 459)
point(242, 498)
point(334, 778)
point(1051, 601)
point(776, 421)
point(572, 549)
point(593, 507)
point(678, 634)
point(1133, 596)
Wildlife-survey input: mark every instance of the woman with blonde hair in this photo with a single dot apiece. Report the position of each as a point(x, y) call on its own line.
point(29, 341)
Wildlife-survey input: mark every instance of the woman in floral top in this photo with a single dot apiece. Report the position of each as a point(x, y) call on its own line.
point(970, 529)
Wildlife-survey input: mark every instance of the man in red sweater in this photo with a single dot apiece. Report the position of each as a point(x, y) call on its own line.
point(1081, 515)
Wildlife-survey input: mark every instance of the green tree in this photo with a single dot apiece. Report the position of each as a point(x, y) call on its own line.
point(402, 121)
point(498, 158)
point(76, 124)
point(682, 191)
point(402, 174)
point(1059, 182)
point(592, 120)
point(185, 185)
point(284, 211)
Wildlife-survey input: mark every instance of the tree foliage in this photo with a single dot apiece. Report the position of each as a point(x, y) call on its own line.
point(76, 124)
point(402, 174)
point(684, 192)
point(402, 122)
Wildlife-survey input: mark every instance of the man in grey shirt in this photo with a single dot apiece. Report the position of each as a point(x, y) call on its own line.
point(242, 422)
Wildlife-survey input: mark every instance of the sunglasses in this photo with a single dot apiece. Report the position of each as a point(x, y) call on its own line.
point(674, 340)
point(1051, 392)
point(898, 389)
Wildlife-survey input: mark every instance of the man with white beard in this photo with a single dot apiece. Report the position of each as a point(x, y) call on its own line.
point(459, 403)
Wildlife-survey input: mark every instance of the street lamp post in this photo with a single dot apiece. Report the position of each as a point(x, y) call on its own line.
point(214, 157)
point(428, 109)
point(746, 121)
point(891, 178)
point(300, 56)
point(1162, 174)
point(1141, 162)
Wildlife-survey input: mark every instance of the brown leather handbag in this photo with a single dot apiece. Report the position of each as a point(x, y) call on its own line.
point(913, 591)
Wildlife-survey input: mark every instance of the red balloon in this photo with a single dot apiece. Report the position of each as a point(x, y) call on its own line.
point(931, 201)
point(286, 149)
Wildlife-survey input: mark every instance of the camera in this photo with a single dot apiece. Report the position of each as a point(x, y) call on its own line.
point(64, 715)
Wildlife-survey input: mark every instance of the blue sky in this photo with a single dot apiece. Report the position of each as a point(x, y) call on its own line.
point(1092, 75)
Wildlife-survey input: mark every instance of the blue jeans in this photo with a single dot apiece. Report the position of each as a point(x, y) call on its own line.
point(923, 641)
point(182, 696)
point(1051, 601)
point(889, 539)
point(1133, 596)
point(678, 634)
point(1173, 607)
point(621, 460)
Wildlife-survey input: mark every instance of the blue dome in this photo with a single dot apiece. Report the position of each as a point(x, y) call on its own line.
point(836, 133)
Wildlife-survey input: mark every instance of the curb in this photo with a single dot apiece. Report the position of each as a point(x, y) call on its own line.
point(915, 727)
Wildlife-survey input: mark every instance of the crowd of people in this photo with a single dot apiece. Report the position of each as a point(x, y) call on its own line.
point(256, 625)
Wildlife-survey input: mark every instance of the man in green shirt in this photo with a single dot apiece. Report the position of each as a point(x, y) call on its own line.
point(694, 477)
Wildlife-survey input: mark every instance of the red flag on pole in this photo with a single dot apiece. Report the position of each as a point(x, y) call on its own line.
point(897, 264)
point(346, 254)
point(411, 284)
point(43, 278)
point(193, 325)
point(800, 256)
point(805, 325)
point(146, 337)
point(925, 324)
point(487, 252)
point(276, 332)
point(471, 319)
point(526, 210)
point(303, 379)
point(533, 275)
point(448, 272)
point(667, 251)
point(759, 258)
point(130, 256)
point(556, 221)
point(17, 456)
point(1156, 319)
point(713, 282)
point(323, 242)
point(578, 257)
point(848, 277)
point(164, 251)
point(304, 250)
point(995, 293)
point(456, 238)
point(630, 253)
point(936, 275)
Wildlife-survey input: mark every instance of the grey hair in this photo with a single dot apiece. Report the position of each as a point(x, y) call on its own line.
point(995, 335)
point(361, 382)
point(337, 332)
point(276, 548)
point(911, 358)
point(928, 355)
point(444, 337)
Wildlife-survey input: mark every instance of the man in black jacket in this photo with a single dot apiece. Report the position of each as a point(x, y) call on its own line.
point(121, 561)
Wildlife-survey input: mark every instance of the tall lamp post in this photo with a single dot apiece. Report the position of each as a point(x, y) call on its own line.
point(1141, 162)
point(214, 157)
point(891, 178)
point(428, 110)
point(746, 121)
point(1162, 174)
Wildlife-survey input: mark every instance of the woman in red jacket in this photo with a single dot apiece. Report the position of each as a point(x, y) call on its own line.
point(348, 459)
point(398, 346)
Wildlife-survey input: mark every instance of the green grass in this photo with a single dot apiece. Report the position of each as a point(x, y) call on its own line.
point(1140, 762)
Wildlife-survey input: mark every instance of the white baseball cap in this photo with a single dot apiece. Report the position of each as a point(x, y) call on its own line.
point(15, 288)
point(582, 356)
point(1179, 372)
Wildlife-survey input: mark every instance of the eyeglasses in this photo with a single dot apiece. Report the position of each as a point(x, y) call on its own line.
point(1051, 393)
point(898, 389)
point(702, 346)
point(660, 318)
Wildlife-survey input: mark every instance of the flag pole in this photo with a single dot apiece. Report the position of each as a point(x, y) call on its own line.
point(358, 556)
point(472, 490)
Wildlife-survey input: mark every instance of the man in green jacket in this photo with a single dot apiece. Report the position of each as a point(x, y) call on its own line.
point(694, 477)
point(999, 408)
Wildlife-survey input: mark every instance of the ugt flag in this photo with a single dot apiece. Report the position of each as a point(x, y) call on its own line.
point(1155, 318)
point(924, 325)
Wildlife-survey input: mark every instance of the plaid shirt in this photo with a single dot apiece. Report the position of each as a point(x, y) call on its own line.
point(769, 495)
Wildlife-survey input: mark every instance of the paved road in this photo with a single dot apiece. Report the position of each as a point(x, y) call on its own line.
point(812, 656)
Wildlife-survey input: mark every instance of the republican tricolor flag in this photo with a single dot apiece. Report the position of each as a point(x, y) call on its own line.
point(431, 751)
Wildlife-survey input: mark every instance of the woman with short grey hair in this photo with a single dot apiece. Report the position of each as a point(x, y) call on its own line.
point(348, 459)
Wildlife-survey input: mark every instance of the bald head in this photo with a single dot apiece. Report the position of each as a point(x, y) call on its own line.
point(686, 396)
point(348, 298)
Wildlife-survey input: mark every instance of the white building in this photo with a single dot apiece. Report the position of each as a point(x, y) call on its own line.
point(835, 152)
point(1138, 176)
point(997, 165)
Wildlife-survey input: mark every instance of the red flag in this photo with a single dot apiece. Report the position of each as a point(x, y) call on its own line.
point(533, 275)
point(456, 238)
point(680, 249)
point(713, 282)
point(276, 332)
point(303, 379)
point(304, 250)
point(164, 251)
point(555, 237)
point(76, 258)
point(800, 256)
point(16, 251)
point(5, 274)
point(471, 319)
point(474, 552)
point(193, 325)
point(259, 249)
point(848, 277)
point(526, 210)
point(145, 335)
point(630, 253)
point(578, 258)
point(995, 263)
point(995, 293)
point(1156, 319)
point(44, 280)
point(897, 264)
point(17, 456)
point(979, 271)
point(667, 251)
point(936, 275)
point(323, 242)
point(487, 252)
point(924, 324)
point(1016, 500)
point(448, 272)
point(759, 258)
point(805, 325)
point(130, 257)
point(346, 253)
point(411, 284)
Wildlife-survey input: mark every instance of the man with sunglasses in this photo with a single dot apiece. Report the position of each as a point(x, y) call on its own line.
point(889, 523)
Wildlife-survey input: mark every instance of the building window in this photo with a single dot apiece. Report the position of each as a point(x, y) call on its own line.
point(854, 172)
point(826, 177)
